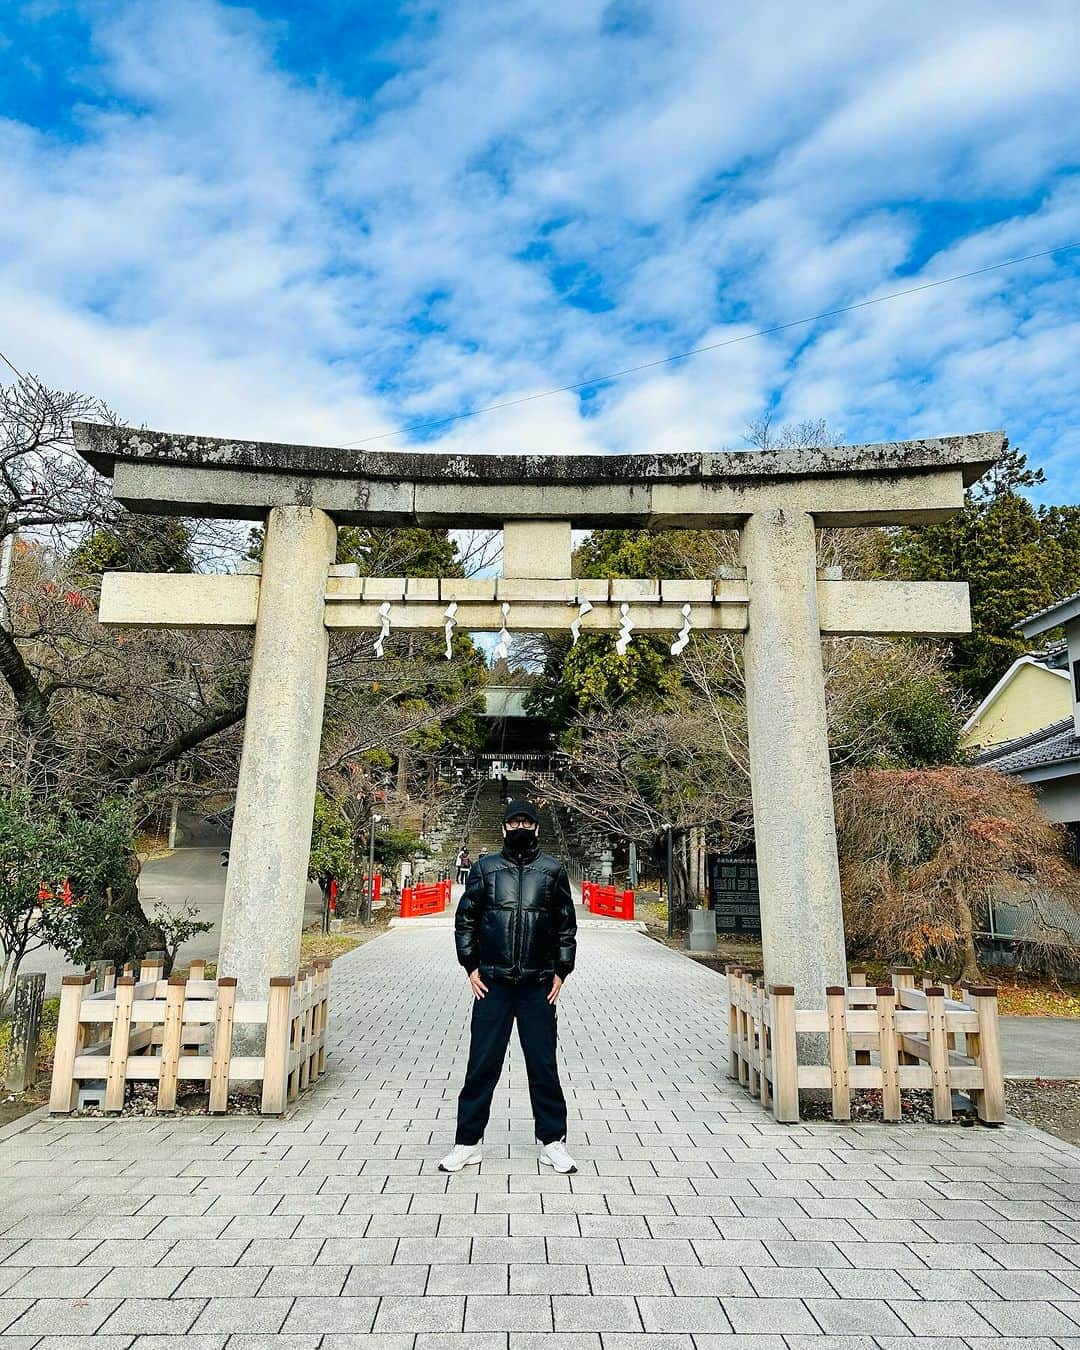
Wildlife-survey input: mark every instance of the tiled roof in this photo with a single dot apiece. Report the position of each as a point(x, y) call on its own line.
point(1049, 609)
point(1052, 651)
point(1056, 744)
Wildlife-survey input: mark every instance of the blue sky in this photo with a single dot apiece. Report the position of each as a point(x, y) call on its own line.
point(321, 222)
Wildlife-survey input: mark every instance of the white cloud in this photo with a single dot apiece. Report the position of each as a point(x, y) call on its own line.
point(546, 192)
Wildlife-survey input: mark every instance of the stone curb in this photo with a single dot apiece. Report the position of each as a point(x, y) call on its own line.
point(14, 1127)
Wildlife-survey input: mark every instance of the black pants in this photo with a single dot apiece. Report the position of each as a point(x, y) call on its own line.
point(492, 1020)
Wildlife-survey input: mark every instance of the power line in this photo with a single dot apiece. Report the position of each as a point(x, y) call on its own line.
point(15, 368)
point(709, 347)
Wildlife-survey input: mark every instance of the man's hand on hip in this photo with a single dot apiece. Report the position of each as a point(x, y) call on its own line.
point(477, 985)
point(553, 992)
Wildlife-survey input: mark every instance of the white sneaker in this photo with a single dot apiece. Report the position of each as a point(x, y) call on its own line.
point(461, 1155)
point(555, 1155)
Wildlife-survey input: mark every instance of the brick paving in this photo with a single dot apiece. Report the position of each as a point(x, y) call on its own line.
point(694, 1222)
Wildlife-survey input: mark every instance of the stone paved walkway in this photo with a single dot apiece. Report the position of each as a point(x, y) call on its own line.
point(694, 1223)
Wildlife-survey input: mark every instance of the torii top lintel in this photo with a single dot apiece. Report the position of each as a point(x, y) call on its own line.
point(891, 482)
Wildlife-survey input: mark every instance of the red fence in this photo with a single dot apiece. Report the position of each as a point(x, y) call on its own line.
point(416, 901)
point(607, 900)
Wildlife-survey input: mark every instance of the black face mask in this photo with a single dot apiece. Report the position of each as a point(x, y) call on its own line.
point(520, 840)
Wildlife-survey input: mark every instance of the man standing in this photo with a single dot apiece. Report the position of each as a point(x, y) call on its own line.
point(516, 934)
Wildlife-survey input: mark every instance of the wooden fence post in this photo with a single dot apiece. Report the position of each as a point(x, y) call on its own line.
point(171, 1031)
point(70, 1034)
point(151, 967)
point(746, 979)
point(104, 975)
point(197, 969)
point(222, 1054)
point(25, 1032)
point(305, 1025)
point(938, 1042)
point(116, 1074)
point(956, 1040)
point(785, 1055)
point(753, 1035)
point(276, 1052)
point(765, 1044)
point(836, 1003)
point(857, 978)
point(733, 974)
point(903, 977)
point(890, 1063)
point(322, 967)
point(990, 1098)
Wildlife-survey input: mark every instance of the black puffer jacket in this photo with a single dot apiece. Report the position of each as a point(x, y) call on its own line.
point(516, 920)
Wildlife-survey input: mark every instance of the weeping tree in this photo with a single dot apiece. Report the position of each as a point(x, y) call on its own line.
point(926, 852)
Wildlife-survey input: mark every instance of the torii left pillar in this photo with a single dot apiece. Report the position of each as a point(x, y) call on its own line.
point(275, 799)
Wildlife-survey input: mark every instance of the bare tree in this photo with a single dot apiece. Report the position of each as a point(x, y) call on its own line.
point(635, 771)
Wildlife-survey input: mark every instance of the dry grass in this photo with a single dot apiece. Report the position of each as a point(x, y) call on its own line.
point(316, 945)
point(150, 845)
point(1034, 996)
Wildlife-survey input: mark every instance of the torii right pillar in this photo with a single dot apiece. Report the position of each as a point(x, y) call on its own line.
point(802, 921)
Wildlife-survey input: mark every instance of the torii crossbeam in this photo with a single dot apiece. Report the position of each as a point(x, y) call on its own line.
point(779, 599)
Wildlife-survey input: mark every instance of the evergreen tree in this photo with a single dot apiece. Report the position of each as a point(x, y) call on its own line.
point(591, 674)
point(399, 551)
point(1016, 557)
point(134, 543)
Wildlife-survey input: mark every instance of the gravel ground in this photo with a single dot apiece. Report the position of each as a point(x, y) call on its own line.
point(1053, 1104)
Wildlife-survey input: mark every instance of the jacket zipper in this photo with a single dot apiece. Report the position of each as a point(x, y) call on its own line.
point(517, 934)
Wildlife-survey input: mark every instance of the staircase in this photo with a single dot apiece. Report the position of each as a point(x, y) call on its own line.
point(484, 826)
point(446, 835)
point(476, 818)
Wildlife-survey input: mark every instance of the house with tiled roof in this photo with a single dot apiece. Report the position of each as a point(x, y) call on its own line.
point(1034, 692)
point(1049, 757)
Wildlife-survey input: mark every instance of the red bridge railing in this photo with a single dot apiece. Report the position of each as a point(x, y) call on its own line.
point(426, 898)
point(607, 900)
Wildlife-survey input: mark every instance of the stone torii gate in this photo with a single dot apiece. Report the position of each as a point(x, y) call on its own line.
point(780, 600)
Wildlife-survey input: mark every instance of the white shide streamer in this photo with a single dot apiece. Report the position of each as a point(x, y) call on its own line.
point(626, 628)
point(449, 626)
point(575, 628)
point(684, 633)
point(380, 641)
point(502, 647)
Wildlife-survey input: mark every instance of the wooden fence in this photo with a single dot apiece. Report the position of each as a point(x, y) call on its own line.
point(887, 1038)
point(181, 1030)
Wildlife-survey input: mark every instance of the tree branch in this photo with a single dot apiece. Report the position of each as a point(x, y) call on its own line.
point(31, 705)
point(172, 750)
